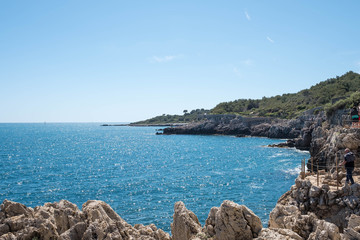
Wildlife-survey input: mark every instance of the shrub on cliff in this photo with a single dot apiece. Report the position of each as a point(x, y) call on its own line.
point(327, 93)
point(349, 102)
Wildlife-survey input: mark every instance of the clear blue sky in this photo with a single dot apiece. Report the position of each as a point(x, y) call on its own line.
point(123, 61)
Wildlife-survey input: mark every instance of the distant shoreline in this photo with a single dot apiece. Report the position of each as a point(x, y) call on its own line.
point(145, 125)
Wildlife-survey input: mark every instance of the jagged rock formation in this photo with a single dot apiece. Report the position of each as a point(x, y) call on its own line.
point(318, 212)
point(305, 212)
point(63, 220)
point(229, 221)
point(237, 125)
point(300, 129)
point(328, 145)
point(97, 220)
point(186, 224)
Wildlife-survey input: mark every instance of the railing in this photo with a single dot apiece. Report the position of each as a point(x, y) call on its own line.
point(348, 122)
point(329, 168)
point(355, 125)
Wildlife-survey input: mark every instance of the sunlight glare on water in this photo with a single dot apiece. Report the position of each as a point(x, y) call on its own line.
point(140, 174)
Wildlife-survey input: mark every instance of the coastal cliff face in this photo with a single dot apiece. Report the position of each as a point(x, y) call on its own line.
point(237, 125)
point(299, 130)
point(330, 139)
point(319, 212)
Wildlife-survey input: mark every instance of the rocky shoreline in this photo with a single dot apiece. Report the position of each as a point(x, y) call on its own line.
point(299, 130)
point(306, 211)
point(325, 137)
point(144, 125)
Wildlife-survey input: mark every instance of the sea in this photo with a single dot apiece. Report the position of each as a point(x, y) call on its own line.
point(142, 175)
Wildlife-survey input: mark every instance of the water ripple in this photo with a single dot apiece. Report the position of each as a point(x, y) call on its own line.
point(141, 175)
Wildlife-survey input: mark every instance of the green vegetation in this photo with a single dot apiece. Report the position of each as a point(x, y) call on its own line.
point(332, 94)
point(352, 100)
point(194, 115)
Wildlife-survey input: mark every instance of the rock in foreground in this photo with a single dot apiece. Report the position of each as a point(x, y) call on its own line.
point(306, 212)
point(230, 221)
point(63, 220)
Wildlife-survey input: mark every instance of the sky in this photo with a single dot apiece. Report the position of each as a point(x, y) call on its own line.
point(126, 61)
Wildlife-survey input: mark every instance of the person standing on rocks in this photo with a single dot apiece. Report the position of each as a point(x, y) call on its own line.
point(349, 159)
point(354, 114)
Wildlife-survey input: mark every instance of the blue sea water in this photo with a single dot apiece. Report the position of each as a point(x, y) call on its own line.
point(140, 174)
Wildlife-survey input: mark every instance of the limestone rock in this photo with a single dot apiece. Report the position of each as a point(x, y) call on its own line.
point(233, 221)
point(278, 234)
point(324, 231)
point(4, 228)
point(283, 216)
point(63, 214)
point(255, 126)
point(185, 223)
point(63, 220)
point(353, 229)
point(301, 209)
point(74, 233)
point(210, 222)
point(11, 209)
point(354, 221)
point(22, 224)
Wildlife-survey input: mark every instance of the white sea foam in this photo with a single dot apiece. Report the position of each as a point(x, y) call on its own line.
point(301, 151)
point(293, 172)
point(282, 154)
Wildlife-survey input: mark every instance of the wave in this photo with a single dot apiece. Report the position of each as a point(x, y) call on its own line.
point(292, 172)
point(301, 151)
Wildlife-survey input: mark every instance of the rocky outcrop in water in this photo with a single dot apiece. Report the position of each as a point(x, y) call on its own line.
point(299, 130)
point(237, 125)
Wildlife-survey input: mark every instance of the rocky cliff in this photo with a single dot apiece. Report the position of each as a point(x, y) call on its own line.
point(329, 140)
point(319, 212)
point(299, 130)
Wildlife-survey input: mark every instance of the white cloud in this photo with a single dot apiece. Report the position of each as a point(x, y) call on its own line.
point(164, 58)
point(247, 16)
point(270, 40)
